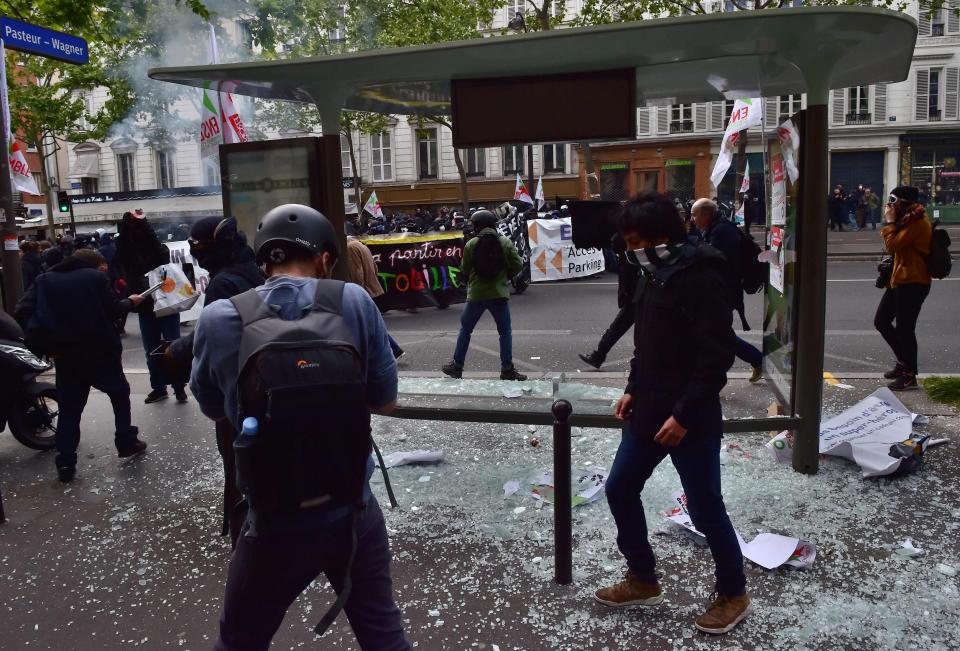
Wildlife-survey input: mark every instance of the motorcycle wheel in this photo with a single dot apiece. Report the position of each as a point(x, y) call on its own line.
point(35, 423)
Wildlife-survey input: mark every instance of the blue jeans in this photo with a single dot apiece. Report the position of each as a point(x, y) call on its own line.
point(500, 311)
point(748, 353)
point(268, 572)
point(697, 460)
point(76, 375)
point(152, 330)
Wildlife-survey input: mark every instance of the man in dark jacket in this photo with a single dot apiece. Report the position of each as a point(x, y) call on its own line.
point(683, 348)
point(626, 286)
point(69, 314)
point(723, 235)
point(30, 263)
point(217, 246)
point(139, 251)
point(837, 209)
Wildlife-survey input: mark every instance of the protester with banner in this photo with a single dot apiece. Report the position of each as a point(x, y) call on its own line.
point(419, 270)
point(490, 260)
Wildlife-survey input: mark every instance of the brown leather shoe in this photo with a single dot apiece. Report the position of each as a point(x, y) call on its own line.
point(630, 592)
point(723, 614)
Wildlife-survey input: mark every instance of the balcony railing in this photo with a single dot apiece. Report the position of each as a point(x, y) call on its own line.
point(936, 29)
point(934, 116)
point(858, 118)
point(685, 126)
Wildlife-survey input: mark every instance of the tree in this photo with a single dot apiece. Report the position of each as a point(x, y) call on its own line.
point(303, 28)
point(400, 23)
point(46, 95)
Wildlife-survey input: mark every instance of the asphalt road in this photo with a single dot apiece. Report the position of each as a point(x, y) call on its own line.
point(552, 322)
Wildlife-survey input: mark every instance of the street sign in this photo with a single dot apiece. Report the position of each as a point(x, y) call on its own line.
point(49, 43)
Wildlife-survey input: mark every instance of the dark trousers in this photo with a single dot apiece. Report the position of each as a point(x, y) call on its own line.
point(234, 506)
point(76, 374)
point(901, 305)
point(620, 325)
point(749, 353)
point(152, 330)
point(394, 346)
point(500, 311)
point(697, 460)
point(268, 571)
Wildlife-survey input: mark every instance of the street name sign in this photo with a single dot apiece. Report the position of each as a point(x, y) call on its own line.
point(49, 43)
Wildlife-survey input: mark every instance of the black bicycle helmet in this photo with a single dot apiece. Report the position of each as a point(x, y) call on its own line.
point(483, 219)
point(295, 224)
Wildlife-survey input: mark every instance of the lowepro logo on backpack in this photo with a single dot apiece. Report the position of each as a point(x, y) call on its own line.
point(302, 363)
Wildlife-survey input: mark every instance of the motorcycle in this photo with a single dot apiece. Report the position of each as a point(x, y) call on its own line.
point(27, 407)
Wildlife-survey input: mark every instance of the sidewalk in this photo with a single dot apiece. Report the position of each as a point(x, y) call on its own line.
point(128, 555)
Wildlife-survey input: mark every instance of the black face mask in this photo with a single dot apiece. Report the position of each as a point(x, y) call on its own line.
point(210, 258)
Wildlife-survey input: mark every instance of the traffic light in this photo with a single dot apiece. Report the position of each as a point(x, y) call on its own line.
point(63, 199)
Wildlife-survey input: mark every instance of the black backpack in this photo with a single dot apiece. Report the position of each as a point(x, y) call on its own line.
point(488, 258)
point(753, 272)
point(939, 263)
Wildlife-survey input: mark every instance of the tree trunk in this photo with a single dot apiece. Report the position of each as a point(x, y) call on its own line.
point(544, 15)
point(593, 181)
point(45, 182)
point(464, 188)
point(357, 191)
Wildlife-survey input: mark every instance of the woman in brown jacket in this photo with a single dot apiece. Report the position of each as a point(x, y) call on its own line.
point(906, 234)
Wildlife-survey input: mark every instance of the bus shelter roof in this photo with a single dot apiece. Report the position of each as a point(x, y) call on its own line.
point(679, 59)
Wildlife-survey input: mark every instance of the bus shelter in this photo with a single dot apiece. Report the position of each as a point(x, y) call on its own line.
point(593, 79)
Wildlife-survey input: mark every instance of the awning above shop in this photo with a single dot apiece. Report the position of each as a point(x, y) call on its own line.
point(683, 59)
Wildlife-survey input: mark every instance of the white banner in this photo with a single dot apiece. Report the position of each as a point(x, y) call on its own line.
point(180, 255)
point(19, 169)
point(746, 113)
point(553, 255)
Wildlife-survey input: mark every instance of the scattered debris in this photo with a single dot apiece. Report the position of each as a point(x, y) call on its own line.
point(417, 456)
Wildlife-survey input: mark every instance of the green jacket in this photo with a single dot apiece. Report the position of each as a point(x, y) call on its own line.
point(479, 289)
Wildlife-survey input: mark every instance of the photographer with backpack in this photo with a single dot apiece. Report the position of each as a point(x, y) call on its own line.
point(740, 253)
point(907, 235)
point(297, 365)
point(490, 260)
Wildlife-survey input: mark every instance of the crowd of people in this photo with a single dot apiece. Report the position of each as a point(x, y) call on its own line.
point(854, 210)
point(277, 336)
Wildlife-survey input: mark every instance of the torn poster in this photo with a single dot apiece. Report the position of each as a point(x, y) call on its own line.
point(865, 433)
point(417, 456)
point(588, 487)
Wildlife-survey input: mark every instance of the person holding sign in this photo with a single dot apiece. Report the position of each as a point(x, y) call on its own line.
point(683, 336)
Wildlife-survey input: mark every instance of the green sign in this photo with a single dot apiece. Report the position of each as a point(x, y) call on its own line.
point(678, 162)
point(613, 166)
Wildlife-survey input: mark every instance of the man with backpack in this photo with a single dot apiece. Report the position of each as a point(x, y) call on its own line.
point(490, 260)
point(741, 256)
point(297, 365)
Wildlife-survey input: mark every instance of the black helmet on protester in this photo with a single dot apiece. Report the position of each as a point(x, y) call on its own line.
point(483, 219)
point(295, 224)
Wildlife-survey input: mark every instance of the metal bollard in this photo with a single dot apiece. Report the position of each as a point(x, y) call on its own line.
point(562, 493)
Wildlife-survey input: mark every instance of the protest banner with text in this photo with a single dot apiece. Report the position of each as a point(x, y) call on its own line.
point(419, 271)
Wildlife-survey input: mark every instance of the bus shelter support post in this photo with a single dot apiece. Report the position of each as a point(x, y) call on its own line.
point(563, 494)
point(812, 273)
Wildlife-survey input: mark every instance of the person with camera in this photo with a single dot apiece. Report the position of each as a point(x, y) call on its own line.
point(297, 366)
point(905, 280)
point(683, 348)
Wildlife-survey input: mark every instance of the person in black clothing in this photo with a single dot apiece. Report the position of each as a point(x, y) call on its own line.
point(68, 314)
point(51, 256)
point(722, 234)
point(31, 265)
point(837, 209)
point(139, 251)
point(626, 286)
point(683, 339)
point(217, 246)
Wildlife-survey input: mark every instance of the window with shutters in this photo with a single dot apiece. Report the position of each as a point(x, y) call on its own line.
point(951, 80)
point(921, 92)
point(558, 9)
point(858, 105)
point(933, 98)
point(346, 169)
point(476, 162)
point(165, 169)
point(88, 185)
point(554, 159)
point(381, 157)
point(427, 153)
point(126, 174)
point(643, 121)
point(937, 22)
point(788, 105)
point(515, 7)
point(681, 118)
point(924, 24)
point(512, 158)
point(338, 34)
